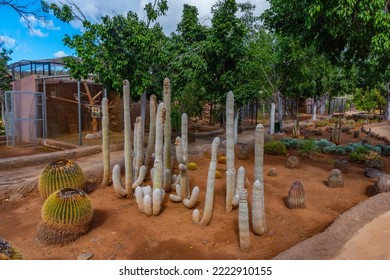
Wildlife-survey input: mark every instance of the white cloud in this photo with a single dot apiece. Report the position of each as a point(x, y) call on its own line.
point(9, 42)
point(35, 25)
point(60, 54)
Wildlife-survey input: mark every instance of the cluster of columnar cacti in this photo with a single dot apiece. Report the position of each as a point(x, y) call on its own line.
point(7, 251)
point(60, 174)
point(296, 132)
point(296, 196)
point(230, 169)
point(336, 132)
point(292, 162)
point(66, 215)
point(105, 144)
point(335, 179)
point(181, 184)
point(208, 207)
point(149, 201)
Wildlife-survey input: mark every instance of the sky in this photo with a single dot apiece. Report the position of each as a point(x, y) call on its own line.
point(44, 39)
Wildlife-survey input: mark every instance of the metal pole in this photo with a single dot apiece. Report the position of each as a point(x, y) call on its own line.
point(44, 110)
point(79, 112)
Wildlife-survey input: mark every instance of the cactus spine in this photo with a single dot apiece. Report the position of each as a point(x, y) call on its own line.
point(66, 215)
point(230, 177)
point(243, 220)
point(152, 130)
point(167, 125)
point(335, 179)
point(128, 144)
point(105, 144)
point(208, 207)
point(60, 174)
point(296, 196)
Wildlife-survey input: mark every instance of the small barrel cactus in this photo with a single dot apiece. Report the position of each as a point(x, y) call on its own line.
point(192, 166)
point(335, 179)
point(222, 160)
point(272, 172)
point(296, 196)
point(383, 184)
point(218, 175)
point(341, 164)
point(60, 174)
point(7, 251)
point(292, 162)
point(66, 215)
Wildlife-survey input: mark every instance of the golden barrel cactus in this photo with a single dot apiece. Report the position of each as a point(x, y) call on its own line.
point(66, 214)
point(60, 174)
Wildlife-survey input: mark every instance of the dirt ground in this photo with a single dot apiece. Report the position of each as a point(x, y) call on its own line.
point(119, 231)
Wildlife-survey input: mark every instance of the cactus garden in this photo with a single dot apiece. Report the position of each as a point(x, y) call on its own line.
point(162, 197)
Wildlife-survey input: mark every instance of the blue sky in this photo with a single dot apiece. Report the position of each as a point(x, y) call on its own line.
point(44, 40)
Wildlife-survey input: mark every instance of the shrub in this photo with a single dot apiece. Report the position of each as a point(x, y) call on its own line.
point(359, 154)
point(308, 148)
point(322, 143)
point(275, 148)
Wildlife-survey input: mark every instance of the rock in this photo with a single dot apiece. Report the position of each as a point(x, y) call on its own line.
point(273, 172)
point(85, 256)
point(372, 172)
point(383, 184)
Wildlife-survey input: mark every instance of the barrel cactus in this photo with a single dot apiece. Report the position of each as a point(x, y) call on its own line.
point(335, 179)
point(341, 164)
point(296, 196)
point(66, 215)
point(192, 166)
point(60, 174)
point(7, 251)
point(292, 162)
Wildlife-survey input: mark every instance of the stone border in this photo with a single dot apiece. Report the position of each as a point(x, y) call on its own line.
point(326, 245)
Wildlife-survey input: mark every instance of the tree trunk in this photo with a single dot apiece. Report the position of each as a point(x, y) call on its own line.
point(280, 110)
point(388, 101)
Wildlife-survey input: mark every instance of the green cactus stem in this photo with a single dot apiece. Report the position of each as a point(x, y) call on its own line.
point(152, 131)
point(127, 131)
point(296, 196)
point(208, 207)
point(335, 179)
point(66, 215)
point(105, 144)
point(167, 125)
point(8, 252)
point(243, 220)
point(158, 150)
point(230, 177)
point(60, 174)
point(258, 208)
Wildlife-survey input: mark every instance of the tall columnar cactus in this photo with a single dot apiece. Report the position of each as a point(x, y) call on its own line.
point(335, 179)
point(158, 150)
point(149, 201)
point(230, 175)
point(259, 153)
point(208, 207)
point(127, 128)
point(179, 151)
point(296, 196)
point(59, 174)
point(7, 251)
point(152, 130)
point(139, 152)
point(336, 131)
point(296, 132)
point(184, 136)
point(243, 220)
point(66, 215)
point(258, 208)
point(167, 124)
point(105, 144)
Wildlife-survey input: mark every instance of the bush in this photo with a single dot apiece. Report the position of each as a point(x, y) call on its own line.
point(322, 143)
point(275, 148)
point(308, 148)
point(359, 154)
